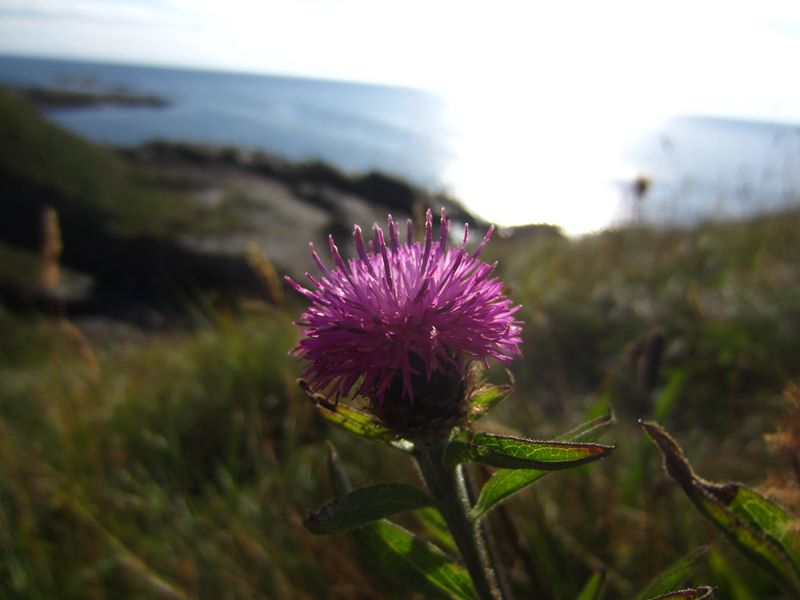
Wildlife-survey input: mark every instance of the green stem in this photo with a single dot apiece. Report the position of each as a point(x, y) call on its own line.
point(486, 536)
point(446, 485)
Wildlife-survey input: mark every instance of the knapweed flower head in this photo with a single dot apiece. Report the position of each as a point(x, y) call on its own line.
point(401, 323)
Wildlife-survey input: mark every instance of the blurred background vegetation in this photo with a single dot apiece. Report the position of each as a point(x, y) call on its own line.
point(174, 456)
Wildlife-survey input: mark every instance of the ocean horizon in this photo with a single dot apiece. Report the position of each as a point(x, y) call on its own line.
point(493, 160)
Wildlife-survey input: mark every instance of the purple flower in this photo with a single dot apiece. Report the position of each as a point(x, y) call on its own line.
point(402, 315)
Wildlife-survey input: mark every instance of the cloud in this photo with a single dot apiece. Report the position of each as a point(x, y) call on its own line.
point(131, 13)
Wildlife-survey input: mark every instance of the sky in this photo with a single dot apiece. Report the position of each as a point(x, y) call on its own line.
point(612, 67)
point(728, 58)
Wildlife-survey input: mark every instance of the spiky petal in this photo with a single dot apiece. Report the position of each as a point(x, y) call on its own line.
point(400, 314)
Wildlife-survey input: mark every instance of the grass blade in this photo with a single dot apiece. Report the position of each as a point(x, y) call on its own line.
point(675, 575)
point(701, 593)
point(589, 431)
point(594, 588)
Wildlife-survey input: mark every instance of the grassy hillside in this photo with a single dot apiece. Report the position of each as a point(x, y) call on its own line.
point(118, 223)
point(42, 163)
point(725, 297)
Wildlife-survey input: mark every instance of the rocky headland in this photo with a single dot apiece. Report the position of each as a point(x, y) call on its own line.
point(144, 230)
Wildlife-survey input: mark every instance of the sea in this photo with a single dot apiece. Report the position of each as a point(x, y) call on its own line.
point(505, 162)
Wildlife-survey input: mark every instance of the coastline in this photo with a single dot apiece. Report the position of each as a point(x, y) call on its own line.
point(67, 98)
point(152, 225)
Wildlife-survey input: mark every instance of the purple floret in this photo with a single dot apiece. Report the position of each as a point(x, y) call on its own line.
point(402, 311)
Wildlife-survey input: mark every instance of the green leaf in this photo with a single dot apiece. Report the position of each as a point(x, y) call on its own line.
point(356, 422)
point(433, 523)
point(767, 516)
point(501, 485)
point(757, 527)
point(487, 397)
point(675, 574)
point(401, 555)
point(701, 593)
point(512, 452)
point(506, 482)
point(365, 505)
point(413, 562)
point(593, 589)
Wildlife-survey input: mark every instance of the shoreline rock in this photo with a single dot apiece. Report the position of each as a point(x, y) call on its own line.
point(160, 226)
point(303, 177)
point(66, 98)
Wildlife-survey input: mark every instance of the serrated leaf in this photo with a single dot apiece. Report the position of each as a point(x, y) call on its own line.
point(675, 574)
point(513, 452)
point(413, 562)
point(593, 589)
point(356, 422)
point(758, 528)
point(365, 505)
point(487, 397)
point(700, 593)
point(506, 482)
point(401, 555)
